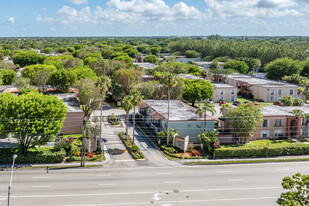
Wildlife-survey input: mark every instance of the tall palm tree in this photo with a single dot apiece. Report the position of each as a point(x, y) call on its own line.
point(102, 83)
point(201, 110)
point(127, 106)
point(170, 81)
point(297, 113)
point(137, 98)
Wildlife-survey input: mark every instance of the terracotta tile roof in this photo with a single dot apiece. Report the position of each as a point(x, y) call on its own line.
point(143, 105)
point(156, 116)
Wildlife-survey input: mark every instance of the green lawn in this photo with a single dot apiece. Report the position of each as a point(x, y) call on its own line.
point(261, 143)
point(72, 135)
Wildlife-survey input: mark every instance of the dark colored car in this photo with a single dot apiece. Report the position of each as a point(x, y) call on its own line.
point(236, 103)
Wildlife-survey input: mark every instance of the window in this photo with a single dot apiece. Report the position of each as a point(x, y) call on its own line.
point(291, 91)
point(232, 98)
point(264, 133)
point(304, 132)
point(221, 92)
point(233, 91)
point(271, 92)
point(278, 132)
point(227, 81)
point(272, 98)
point(265, 123)
point(304, 122)
point(221, 98)
point(279, 91)
point(278, 123)
point(279, 98)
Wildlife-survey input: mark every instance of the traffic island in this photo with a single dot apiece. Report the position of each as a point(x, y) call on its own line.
point(133, 150)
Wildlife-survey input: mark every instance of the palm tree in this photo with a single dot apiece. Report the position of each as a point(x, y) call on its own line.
point(127, 106)
point(170, 81)
point(137, 98)
point(102, 83)
point(203, 109)
point(297, 113)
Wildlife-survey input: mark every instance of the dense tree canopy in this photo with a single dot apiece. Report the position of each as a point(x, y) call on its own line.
point(244, 119)
point(151, 59)
point(84, 72)
point(128, 79)
point(25, 58)
point(31, 71)
point(282, 67)
point(197, 90)
point(33, 118)
point(8, 76)
point(239, 66)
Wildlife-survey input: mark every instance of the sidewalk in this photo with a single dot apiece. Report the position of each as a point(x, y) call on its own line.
point(281, 158)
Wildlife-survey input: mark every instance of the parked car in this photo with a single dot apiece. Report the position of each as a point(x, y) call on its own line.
point(278, 103)
point(236, 103)
point(221, 102)
point(256, 103)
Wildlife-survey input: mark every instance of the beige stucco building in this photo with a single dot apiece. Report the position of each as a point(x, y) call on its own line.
point(262, 89)
point(225, 92)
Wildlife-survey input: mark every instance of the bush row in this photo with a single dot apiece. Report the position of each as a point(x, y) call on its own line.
point(136, 154)
point(32, 156)
point(297, 149)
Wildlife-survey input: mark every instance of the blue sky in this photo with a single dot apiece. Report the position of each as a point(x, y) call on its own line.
point(153, 17)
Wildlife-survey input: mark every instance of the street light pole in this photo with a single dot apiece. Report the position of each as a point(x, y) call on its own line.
point(9, 189)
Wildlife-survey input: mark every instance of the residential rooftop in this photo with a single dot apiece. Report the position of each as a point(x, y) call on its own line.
point(146, 65)
point(274, 110)
point(188, 76)
point(261, 82)
point(70, 100)
point(179, 111)
point(218, 85)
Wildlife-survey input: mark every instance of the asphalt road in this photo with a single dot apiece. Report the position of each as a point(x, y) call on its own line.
point(243, 184)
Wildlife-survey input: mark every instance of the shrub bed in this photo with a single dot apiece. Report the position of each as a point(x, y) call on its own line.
point(133, 151)
point(271, 151)
point(39, 155)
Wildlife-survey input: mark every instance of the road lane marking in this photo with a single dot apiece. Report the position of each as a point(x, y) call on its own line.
point(283, 169)
point(107, 184)
point(223, 171)
point(40, 186)
point(103, 175)
point(157, 197)
point(135, 193)
point(172, 182)
point(124, 160)
point(177, 201)
point(155, 157)
point(164, 173)
point(235, 180)
point(41, 177)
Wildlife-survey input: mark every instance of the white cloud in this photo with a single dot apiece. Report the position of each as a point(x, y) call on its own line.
point(52, 29)
point(41, 18)
point(252, 8)
point(11, 20)
point(131, 12)
point(78, 2)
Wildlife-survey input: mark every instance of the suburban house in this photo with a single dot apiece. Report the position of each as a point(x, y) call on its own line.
point(153, 113)
point(224, 92)
point(261, 89)
point(145, 65)
point(277, 122)
point(188, 76)
point(187, 60)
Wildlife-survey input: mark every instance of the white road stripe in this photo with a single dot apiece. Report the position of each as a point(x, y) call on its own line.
point(41, 186)
point(172, 182)
point(283, 169)
point(107, 184)
point(178, 201)
point(164, 173)
point(41, 177)
point(134, 193)
point(103, 175)
point(235, 180)
point(124, 160)
point(224, 171)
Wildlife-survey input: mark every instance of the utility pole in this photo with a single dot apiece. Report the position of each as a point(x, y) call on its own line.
point(10, 185)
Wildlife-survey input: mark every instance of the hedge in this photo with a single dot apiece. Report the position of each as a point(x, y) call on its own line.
point(32, 156)
point(128, 147)
point(296, 149)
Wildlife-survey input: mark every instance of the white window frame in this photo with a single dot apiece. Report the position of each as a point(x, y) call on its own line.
point(267, 123)
point(232, 98)
point(262, 132)
point(280, 123)
point(221, 92)
point(277, 132)
point(271, 92)
point(292, 91)
point(232, 91)
point(279, 93)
